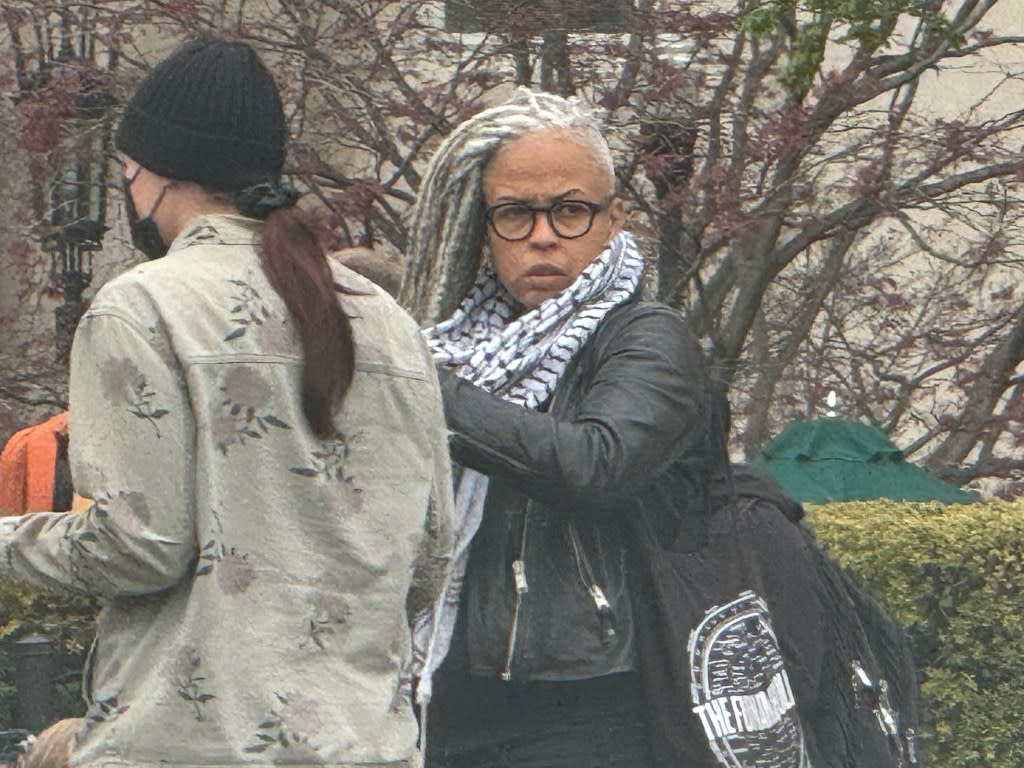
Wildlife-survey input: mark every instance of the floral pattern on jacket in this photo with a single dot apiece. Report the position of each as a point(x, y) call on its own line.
point(257, 580)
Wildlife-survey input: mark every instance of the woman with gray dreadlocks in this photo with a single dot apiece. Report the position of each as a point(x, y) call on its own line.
point(571, 404)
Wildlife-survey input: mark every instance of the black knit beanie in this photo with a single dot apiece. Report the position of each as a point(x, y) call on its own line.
point(209, 113)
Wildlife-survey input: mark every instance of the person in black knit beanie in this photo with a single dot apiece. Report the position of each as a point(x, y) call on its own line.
point(258, 436)
point(211, 113)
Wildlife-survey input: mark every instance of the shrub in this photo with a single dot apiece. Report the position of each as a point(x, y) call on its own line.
point(954, 577)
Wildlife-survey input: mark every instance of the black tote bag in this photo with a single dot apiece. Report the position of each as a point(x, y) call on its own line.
point(750, 645)
point(729, 640)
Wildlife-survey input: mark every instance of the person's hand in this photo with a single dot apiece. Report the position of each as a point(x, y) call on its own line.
point(79, 503)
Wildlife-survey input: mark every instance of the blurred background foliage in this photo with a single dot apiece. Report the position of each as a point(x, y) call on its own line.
point(954, 577)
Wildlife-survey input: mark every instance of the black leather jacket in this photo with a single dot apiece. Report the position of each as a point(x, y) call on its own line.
point(625, 432)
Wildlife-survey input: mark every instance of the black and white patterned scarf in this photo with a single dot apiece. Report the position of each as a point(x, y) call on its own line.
point(520, 360)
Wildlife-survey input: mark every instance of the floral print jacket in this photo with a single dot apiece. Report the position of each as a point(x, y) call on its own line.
point(257, 580)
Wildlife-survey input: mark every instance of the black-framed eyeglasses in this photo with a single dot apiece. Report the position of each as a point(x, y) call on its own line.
point(567, 218)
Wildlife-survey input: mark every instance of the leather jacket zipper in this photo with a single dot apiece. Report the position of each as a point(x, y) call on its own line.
point(605, 614)
point(519, 580)
point(521, 588)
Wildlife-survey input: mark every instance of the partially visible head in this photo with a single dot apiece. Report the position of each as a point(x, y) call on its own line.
point(207, 118)
point(538, 149)
point(551, 211)
point(383, 269)
point(52, 747)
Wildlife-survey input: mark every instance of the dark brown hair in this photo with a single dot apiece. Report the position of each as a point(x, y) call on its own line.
point(295, 262)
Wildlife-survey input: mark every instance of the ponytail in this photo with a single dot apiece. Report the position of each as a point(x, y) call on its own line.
point(294, 261)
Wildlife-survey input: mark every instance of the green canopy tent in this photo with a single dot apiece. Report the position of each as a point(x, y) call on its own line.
point(837, 460)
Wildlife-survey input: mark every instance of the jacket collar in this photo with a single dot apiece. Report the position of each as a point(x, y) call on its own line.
point(216, 228)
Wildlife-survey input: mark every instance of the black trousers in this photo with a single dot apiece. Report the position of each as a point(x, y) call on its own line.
point(479, 722)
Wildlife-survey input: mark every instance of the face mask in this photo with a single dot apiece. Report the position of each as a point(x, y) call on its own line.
point(145, 235)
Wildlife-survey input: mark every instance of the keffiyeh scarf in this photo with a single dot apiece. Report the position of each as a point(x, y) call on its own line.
point(520, 360)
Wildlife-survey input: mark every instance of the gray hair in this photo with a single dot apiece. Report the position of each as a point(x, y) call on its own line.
point(446, 232)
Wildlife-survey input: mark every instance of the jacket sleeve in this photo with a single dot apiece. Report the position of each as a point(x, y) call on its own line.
point(642, 409)
point(434, 558)
point(132, 449)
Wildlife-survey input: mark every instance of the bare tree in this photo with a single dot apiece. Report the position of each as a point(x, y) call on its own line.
point(821, 227)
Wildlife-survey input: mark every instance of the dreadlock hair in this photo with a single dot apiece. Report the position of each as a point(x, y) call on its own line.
point(447, 226)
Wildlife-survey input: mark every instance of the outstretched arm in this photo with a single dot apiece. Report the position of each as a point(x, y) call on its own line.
point(132, 454)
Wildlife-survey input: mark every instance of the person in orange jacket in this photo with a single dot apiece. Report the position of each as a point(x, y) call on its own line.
point(34, 474)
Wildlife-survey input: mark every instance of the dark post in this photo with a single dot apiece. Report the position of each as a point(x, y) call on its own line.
point(78, 194)
point(35, 670)
point(71, 248)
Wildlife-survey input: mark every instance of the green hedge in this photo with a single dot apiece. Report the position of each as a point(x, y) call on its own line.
point(954, 576)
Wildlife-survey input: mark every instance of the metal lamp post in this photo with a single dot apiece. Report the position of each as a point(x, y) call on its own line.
point(78, 200)
point(71, 246)
point(73, 204)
